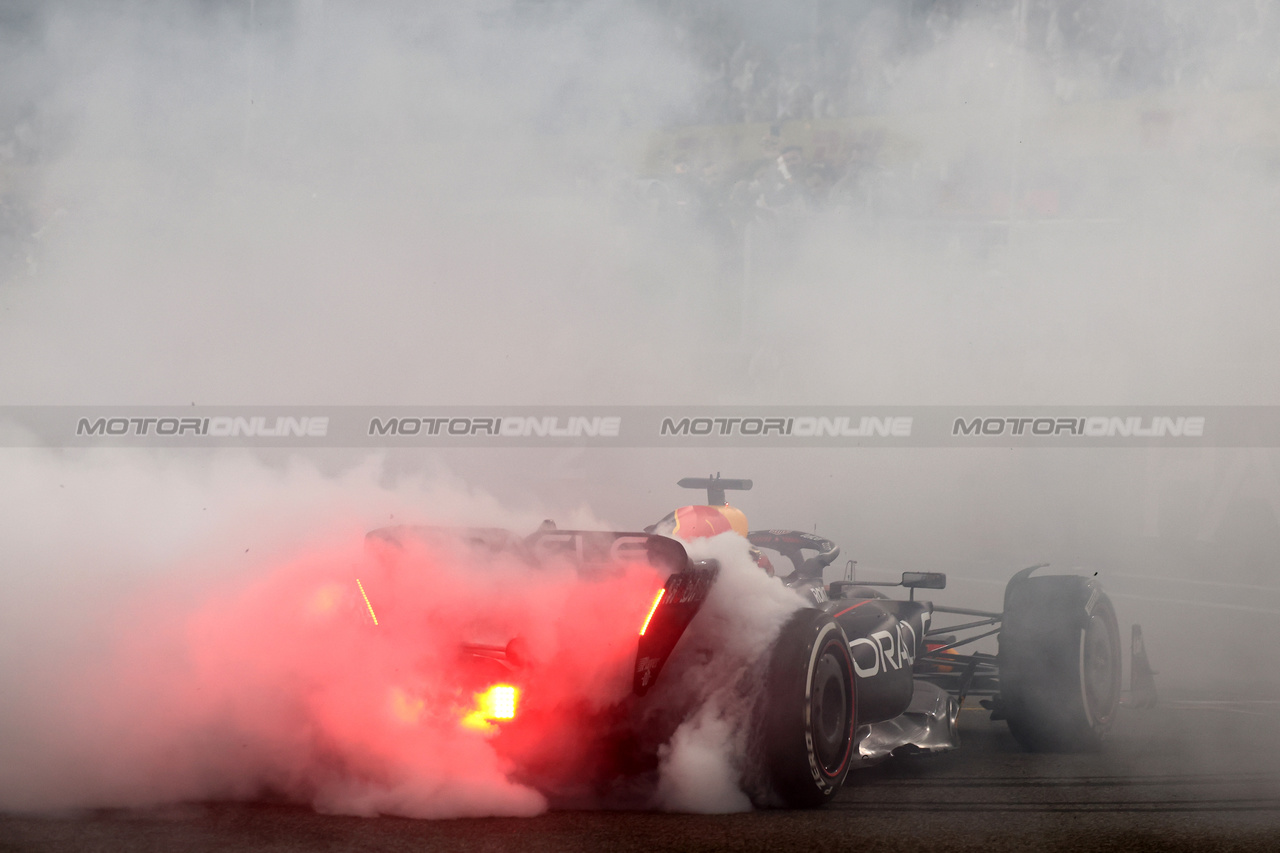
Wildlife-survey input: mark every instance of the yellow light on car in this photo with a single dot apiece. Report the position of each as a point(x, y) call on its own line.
point(501, 702)
point(367, 604)
point(652, 610)
point(495, 704)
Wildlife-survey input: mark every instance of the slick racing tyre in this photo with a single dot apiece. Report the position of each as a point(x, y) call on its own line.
point(808, 710)
point(1059, 663)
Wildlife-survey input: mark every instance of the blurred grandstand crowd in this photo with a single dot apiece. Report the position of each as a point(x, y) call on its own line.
point(833, 58)
point(20, 143)
point(768, 68)
point(831, 67)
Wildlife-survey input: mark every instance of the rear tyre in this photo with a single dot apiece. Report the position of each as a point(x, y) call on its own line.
point(808, 710)
point(1059, 663)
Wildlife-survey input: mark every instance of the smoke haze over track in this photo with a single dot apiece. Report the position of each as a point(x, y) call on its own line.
point(384, 203)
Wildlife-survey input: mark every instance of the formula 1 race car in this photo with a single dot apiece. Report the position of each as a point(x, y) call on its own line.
point(853, 675)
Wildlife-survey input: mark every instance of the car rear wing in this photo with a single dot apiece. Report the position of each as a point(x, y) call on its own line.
point(548, 544)
point(493, 540)
point(604, 547)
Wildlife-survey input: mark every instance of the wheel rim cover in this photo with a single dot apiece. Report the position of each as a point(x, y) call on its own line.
point(829, 712)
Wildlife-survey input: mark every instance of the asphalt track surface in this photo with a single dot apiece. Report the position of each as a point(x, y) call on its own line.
point(1196, 773)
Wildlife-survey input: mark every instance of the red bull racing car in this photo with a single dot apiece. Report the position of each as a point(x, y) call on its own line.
point(853, 675)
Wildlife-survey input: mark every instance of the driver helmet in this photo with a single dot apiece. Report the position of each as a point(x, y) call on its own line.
point(700, 521)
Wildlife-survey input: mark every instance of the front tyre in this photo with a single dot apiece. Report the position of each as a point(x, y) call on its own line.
point(808, 710)
point(1060, 663)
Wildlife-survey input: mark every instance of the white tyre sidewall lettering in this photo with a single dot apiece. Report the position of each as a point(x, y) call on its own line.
point(824, 782)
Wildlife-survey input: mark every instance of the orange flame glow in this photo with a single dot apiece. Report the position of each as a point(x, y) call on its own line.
point(496, 703)
point(652, 610)
point(372, 615)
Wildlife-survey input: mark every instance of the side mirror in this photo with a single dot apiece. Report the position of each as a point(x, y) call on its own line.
point(924, 580)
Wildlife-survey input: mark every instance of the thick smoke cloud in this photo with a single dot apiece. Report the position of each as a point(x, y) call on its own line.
point(702, 767)
point(329, 202)
point(313, 200)
point(164, 662)
point(201, 670)
point(1043, 202)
